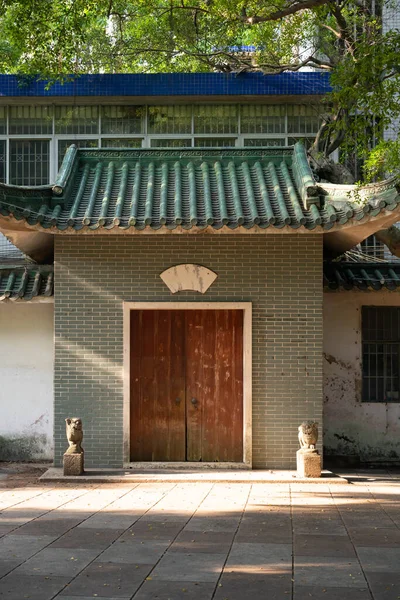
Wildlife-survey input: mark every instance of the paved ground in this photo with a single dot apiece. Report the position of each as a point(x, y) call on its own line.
point(200, 541)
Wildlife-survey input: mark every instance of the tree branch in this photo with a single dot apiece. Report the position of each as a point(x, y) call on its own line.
point(284, 12)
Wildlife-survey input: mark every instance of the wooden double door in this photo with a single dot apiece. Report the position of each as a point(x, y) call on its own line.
point(186, 385)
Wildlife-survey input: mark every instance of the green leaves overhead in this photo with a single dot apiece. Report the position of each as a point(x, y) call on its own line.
point(79, 36)
point(60, 38)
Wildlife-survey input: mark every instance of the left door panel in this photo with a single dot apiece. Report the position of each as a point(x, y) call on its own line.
point(157, 383)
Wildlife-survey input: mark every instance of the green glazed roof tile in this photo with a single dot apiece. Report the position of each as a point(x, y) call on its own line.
point(193, 188)
point(26, 283)
point(361, 276)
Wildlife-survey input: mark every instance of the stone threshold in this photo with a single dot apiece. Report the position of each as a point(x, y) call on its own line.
point(190, 476)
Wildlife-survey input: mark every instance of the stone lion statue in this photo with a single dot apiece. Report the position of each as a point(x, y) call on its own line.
point(308, 435)
point(74, 435)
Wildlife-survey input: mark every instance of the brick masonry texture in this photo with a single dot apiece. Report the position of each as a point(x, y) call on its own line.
point(280, 274)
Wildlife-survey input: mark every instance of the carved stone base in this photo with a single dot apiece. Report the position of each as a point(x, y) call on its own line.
point(308, 463)
point(73, 464)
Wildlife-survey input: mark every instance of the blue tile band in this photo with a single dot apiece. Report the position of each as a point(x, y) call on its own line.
point(170, 84)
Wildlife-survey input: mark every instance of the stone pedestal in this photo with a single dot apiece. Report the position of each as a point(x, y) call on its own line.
point(73, 464)
point(308, 463)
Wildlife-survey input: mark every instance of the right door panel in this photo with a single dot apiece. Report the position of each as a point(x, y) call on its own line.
point(214, 385)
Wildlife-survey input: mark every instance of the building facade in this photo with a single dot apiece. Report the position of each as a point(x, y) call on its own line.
point(176, 189)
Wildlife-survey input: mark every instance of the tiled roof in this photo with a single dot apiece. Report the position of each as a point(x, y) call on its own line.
point(193, 189)
point(26, 283)
point(362, 276)
point(29, 282)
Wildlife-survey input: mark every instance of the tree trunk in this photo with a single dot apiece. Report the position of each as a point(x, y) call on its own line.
point(326, 169)
point(391, 238)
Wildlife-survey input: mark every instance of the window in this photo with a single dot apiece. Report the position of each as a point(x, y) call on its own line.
point(380, 354)
point(303, 118)
point(121, 142)
point(171, 143)
point(253, 142)
point(29, 162)
point(63, 146)
point(3, 160)
point(30, 131)
point(216, 118)
point(373, 247)
point(122, 119)
point(81, 120)
point(31, 120)
point(3, 120)
point(263, 119)
point(170, 119)
point(214, 142)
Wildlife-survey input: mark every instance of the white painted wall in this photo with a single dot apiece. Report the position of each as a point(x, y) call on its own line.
point(26, 380)
point(368, 430)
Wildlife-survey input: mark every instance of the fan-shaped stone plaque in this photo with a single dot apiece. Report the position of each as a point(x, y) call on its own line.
point(188, 277)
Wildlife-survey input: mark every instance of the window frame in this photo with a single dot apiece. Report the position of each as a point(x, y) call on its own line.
point(145, 136)
point(385, 344)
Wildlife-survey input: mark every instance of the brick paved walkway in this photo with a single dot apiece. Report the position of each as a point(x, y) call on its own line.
point(202, 541)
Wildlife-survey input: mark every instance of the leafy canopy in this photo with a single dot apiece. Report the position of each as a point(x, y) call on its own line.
point(59, 38)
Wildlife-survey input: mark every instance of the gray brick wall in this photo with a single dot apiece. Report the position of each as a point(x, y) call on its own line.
point(280, 274)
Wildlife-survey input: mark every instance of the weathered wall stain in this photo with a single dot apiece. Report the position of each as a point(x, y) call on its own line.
point(344, 438)
point(334, 360)
point(28, 448)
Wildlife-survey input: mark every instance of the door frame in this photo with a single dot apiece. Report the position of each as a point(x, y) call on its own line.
point(246, 307)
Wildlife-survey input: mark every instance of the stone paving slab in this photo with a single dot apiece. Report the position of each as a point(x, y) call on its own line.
point(317, 592)
point(384, 585)
point(329, 572)
point(323, 545)
point(58, 562)
point(178, 590)
point(238, 586)
point(173, 476)
point(34, 587)
point(109, 579)
point(202, 540)
point(189, 567)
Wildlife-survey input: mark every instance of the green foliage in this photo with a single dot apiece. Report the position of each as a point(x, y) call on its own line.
point(59, 38)
point(383, 160)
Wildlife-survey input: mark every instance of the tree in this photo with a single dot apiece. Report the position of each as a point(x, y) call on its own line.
point(56, 38)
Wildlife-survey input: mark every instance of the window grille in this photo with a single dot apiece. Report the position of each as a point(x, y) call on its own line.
point(303, 118)
point(373, 247)
point(200, 125)
point(262, 119)
point(254, 142)
point(217, 118)
point(121, 142)
point(214, 142)
point(29, 162)
point(81, 120)
point(169, 119)
point(122, 119)
point(380, 354)
point(171, 143)
point(8, 251)
point(31, 120)
point(3, 160)
point(63, 146)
